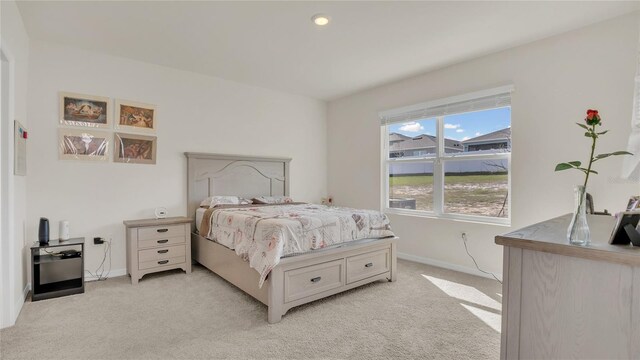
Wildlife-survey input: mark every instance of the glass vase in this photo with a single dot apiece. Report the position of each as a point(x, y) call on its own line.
point(578, 231)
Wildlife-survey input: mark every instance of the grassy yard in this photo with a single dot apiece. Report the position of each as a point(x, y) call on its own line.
point(453, 179)
point(464, 194)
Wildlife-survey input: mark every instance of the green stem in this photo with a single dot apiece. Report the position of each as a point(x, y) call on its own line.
point(593, 150)
point(586, 178)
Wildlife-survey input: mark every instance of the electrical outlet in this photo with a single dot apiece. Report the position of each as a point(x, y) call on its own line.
point(98, 240)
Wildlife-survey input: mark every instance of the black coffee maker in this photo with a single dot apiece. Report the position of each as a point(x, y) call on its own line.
point(43, 231)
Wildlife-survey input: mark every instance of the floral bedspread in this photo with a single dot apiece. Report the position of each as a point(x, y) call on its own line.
point(264, 234)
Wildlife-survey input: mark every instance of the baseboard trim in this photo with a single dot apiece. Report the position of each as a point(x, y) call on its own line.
point(446, 265)
point(18, 306)
point(25, 291)
point(113, 273)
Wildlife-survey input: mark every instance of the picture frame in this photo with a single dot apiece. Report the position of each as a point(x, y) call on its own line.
point(84, 110)
point(634, 203)
point(135, 148)
point(135, 117)
point(83, 144)
point(626, 229)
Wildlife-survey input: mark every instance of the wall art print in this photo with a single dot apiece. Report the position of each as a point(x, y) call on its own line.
point(135, 117)
point(135, 149)
point(83, 144)
point(85, 110)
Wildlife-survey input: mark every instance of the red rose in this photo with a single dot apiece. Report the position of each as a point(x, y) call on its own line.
point(592, 117)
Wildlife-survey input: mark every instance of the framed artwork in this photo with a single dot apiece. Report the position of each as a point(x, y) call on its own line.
point(135, 149)
point(137, 117)
point(85, 110)
point(83, 144)
point(626, 229)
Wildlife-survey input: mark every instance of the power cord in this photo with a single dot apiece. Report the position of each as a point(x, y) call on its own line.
point(99, 272)
point(464, 241)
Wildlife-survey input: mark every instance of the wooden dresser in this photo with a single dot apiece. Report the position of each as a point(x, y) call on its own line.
point(563, 301)
point(157, 245)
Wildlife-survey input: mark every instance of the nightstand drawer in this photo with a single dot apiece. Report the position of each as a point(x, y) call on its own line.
point(160, 232)
point(161, 253)
point(160, 263)
point(166, 241)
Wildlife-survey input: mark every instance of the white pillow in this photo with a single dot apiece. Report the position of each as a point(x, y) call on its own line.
point(214, 201)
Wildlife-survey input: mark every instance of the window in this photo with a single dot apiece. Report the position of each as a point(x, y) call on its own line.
point(450, 158)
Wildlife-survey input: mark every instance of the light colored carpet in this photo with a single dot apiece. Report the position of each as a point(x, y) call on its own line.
point(428, 313)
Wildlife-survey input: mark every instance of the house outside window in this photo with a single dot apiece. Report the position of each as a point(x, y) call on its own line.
point(449, 158)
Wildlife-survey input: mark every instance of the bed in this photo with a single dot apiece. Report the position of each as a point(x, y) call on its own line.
point(294, 280)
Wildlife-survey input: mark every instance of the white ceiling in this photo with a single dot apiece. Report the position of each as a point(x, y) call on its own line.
point(275, 44)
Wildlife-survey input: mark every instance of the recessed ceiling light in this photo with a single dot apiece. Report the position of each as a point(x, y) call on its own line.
point(320, 19)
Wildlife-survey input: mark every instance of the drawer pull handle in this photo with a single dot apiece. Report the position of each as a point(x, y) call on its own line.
point(163, 262)
point(163, 241)
point(163, 251)
point(368, 265)
point(316, 279)
point(162, 230)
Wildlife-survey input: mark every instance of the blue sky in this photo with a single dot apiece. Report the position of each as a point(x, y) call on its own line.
point(460, 126)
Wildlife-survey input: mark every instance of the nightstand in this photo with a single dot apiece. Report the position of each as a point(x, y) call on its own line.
point(155, 245)
point(54, 275)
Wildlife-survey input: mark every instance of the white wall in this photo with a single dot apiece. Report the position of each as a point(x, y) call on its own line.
point(195, 113)
point(15, 46)
point(555, 80)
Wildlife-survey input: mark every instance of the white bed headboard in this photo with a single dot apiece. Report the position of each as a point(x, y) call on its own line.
point(246, 176)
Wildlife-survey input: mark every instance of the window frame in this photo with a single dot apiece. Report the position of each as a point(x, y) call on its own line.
point(439, 161)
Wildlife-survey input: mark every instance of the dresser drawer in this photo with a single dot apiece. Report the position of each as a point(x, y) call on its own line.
point(161, 253)
point(366, 265)
point(160, 263)
point(163, 242)
point(160, 232)
point(311, 280)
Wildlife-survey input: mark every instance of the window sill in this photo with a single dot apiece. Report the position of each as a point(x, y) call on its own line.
point(451, 217)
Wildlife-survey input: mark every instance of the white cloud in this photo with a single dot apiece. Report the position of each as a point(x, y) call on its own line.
point(459, 130)
point(412, 127)
point(451, 126)
point(465, 138)
point(478, 133)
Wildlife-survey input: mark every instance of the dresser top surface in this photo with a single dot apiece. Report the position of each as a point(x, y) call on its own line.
point(157, 222)
point(551, 236)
